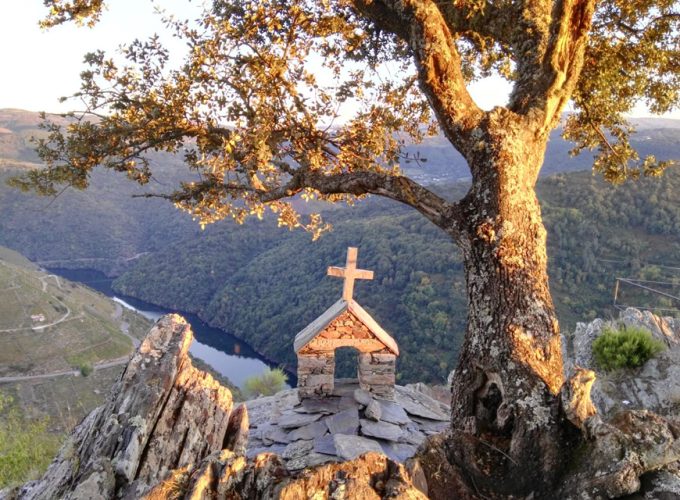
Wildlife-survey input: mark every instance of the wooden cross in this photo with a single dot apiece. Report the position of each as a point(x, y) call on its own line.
point(350, 273)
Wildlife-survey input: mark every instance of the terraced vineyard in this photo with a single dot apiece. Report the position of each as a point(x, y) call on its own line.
point(62, 346)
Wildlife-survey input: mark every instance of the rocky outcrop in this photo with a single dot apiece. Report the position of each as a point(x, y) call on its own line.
point(162, 414)
point(342, 426)
point(654, 386)
point(619, 454)
point(231, 476)
point(168, 430)
point(632, 444)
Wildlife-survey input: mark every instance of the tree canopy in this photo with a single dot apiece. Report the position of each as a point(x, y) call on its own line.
point(287, 97)
point(259, 123)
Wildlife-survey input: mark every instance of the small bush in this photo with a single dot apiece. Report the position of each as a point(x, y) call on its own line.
point(85, 368)
point(626, 348)
point(268, 383)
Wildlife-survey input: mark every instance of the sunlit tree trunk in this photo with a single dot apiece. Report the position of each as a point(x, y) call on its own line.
point(507, 433)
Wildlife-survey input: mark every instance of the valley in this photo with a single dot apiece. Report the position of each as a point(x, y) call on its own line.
point(264, 283)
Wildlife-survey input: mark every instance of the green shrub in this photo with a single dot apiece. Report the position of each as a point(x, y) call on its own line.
point(626, 348)
point(85, 368)
point(26, 446)
point(268, 383)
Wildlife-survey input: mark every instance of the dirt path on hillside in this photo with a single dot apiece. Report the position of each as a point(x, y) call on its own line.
point(60, 373)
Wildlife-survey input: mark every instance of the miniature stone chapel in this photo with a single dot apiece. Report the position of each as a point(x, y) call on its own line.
point(345, 323)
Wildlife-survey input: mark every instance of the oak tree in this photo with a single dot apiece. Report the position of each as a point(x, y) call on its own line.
point(283, 98)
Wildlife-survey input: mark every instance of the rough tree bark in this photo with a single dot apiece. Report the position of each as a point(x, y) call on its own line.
point(506, 430)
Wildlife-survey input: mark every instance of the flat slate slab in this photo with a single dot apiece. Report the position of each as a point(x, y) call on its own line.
point(399, 452)
point(393, 413)
point(348, 403)
point(292, 419)
point(309, 431)
point(345, 422)
point(362, 397)
point(297, 449)
point(373, 411)
point(434, 426)
point(319, 405)
point(276, 448)
point(382, 430)
point(300, 431)
point(420, 405)
point(349, 447)
point(412, 435)
point(274, 434)
point(325, 444)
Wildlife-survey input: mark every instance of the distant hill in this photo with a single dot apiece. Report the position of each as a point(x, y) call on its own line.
point(52, 333)
point(264, 284)
point(100, 228)
point(51, 325)
point(105, 228)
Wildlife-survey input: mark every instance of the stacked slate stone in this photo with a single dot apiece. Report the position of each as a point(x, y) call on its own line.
point(343, 426)
point(376, 373)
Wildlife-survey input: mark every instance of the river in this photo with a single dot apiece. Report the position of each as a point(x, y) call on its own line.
point(228, 355)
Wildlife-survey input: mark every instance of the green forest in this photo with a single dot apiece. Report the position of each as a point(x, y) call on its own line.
point(264, 284)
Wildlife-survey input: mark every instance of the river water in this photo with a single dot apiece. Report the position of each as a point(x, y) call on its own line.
point(228, 355)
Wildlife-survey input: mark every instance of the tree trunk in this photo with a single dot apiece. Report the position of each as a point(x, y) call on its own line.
point(507, 434)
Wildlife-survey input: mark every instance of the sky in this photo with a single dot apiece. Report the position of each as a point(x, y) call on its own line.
point(40, 66)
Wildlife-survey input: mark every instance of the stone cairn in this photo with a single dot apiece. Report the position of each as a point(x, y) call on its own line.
point(346, 323)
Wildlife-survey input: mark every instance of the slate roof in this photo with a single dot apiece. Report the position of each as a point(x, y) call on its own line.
point(305, 336)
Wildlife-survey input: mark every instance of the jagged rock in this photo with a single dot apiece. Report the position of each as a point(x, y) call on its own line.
point(162, 431)
point(654, 386)
point(582, 340)
point(373, 411)
point(575, 397)
point(619, 452)
point(236, 438)
point(310, 459)
point(162, 414)
point(345, 422)
point(663, 484)
point(225, 475)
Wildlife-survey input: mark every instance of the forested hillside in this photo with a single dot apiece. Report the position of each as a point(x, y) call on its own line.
point(265, 284)
point(104, 226)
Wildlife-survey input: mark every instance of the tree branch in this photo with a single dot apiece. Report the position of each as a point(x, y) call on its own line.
point(421, 24)
point(547, 87)
point(443, 214)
